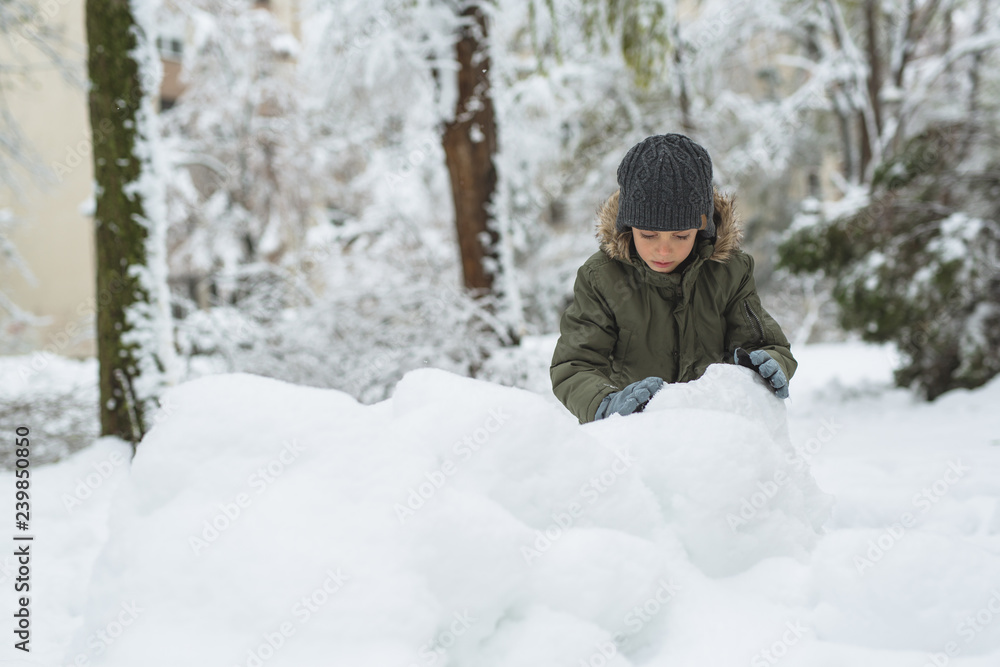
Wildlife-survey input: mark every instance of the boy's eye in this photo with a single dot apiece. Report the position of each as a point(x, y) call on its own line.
point(648, 236)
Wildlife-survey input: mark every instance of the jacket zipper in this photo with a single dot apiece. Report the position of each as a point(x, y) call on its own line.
point(754, 320)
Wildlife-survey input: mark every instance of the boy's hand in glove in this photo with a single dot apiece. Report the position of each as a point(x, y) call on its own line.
point(630, 399)
point(761, 362)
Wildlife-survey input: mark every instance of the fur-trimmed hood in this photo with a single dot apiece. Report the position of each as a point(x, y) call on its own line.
point(618, 245)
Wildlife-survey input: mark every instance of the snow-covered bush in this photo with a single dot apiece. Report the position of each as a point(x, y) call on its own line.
point(360, 340)
point(913, 245)
point(243, 183)
point(55, 397)
point(917, 263)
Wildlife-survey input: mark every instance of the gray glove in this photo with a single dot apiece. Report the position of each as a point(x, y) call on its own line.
point(632, 398)
point(761, 362)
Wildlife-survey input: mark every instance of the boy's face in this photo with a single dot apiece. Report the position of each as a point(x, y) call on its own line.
point(664, 251)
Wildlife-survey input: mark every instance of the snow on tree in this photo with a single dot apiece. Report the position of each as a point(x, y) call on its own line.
point(914, 246)
point(353, 296)
point(242, 179)
point(134, 339)
point(342, 133)
point(445, 49)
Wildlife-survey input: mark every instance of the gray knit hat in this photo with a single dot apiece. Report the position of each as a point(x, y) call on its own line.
point(666, 186)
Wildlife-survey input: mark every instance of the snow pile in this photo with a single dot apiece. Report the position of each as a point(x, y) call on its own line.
point(460, 522)
point(717, 454)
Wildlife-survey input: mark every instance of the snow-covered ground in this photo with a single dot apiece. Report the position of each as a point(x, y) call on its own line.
point(465, 523)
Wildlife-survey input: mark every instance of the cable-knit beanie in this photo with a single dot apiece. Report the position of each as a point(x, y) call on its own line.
point(666, 186)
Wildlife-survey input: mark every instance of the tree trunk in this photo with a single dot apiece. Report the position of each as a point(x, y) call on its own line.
point(972, 122)
point(684, 101)
point(847, 145)
point(129, 305)
point(469, 142)
point(872, 17)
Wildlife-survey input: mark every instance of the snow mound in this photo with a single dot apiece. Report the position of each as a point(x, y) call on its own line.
point(717, 455)
point(460, 522)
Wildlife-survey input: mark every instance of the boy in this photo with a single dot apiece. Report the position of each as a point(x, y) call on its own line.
point(668, 293)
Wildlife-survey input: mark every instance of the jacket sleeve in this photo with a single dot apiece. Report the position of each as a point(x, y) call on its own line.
point(581, 364)
point(749, 326)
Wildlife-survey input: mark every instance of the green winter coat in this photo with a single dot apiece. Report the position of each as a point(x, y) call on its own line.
point(628, 322)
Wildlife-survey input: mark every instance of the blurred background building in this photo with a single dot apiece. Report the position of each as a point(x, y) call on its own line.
point(52, 229)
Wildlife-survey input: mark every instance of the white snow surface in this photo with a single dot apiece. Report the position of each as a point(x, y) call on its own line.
point(465, 523)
